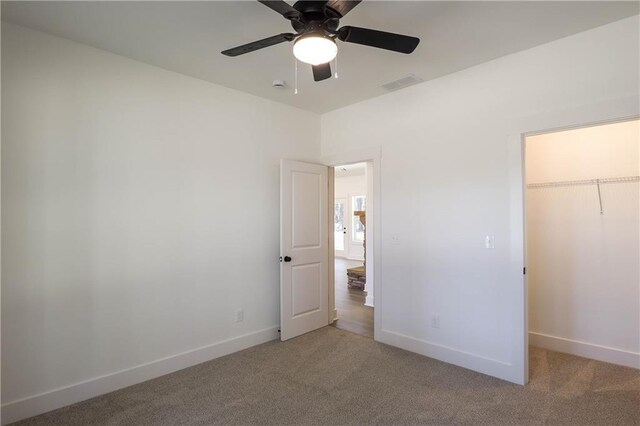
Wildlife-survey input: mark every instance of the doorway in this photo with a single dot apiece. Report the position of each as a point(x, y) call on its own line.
point(582, 239)
point(353, 296)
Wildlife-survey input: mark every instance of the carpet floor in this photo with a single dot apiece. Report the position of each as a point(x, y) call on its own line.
point(336, 377)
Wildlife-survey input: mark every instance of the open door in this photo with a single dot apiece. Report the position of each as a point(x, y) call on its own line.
point(304, 290)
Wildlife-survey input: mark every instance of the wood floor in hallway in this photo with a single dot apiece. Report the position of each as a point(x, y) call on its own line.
point(353, 315)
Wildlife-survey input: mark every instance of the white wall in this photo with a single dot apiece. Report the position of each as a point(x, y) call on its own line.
point(584, 269)
point(347, 187)
point(451, 174)
point(140, 210)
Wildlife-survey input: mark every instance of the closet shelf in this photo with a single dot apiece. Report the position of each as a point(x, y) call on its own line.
point(624, 179)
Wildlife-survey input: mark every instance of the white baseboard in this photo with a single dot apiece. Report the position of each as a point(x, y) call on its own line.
point(488, 366)
point(587, 350)
point(368, 301)
point(355, 259)
point(51, 400)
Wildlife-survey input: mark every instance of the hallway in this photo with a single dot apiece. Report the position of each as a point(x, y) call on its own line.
point(353, 315)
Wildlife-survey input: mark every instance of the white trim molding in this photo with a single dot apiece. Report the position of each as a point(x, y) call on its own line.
point(586, 350)
point(368, 301)
point(61, 397)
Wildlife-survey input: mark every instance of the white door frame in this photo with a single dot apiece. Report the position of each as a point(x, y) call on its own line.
point(517, 130)
point(374, 202)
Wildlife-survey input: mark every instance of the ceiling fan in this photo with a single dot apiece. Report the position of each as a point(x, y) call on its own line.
point(316, 26)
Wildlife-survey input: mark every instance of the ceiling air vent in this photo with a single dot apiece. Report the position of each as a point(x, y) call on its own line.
point(401, 83)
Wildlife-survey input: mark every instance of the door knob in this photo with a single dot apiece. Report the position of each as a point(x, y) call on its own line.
point(287, 259)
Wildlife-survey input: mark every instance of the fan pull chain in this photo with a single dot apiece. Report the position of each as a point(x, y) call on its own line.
point(295, 89)
point(335, 66)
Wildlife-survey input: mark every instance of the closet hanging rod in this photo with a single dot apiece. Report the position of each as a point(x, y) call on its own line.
point(624, 179)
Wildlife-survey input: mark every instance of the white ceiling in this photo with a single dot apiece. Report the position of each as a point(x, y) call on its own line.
point(187, 37)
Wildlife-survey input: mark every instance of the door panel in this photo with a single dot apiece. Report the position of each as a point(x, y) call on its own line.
point(304, 292)
point(305, 286)
point(306, 214)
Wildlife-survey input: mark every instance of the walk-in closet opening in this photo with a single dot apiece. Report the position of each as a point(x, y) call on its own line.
point(583, 241)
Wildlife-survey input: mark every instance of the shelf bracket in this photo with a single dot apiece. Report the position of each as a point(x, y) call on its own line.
point(599, 195)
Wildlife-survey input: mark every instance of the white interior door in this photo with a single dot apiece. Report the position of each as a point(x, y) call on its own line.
point(304, 290)
point(340, 226)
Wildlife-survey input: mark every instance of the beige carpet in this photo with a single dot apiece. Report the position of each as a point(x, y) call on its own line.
point(335, 377)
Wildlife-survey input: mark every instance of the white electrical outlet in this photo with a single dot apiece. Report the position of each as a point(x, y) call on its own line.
point(395, 239)
point(240, 315)
point(435, 321)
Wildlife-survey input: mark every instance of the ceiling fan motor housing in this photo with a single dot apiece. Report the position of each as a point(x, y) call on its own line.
point(314, 16)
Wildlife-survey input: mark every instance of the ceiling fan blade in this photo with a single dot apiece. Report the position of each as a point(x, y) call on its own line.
point(380, 39)
point(342, 7)
point(260, 44)
point(321, 72)
point(282, 7)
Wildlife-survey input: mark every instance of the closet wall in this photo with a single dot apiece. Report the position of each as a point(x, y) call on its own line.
point(582, 265)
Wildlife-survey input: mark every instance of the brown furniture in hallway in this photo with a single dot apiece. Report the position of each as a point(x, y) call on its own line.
point(356, 278)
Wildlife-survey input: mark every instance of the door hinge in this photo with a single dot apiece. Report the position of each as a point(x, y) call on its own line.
point(524, 271)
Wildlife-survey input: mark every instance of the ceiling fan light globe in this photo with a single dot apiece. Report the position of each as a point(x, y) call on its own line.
point(315, 50)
